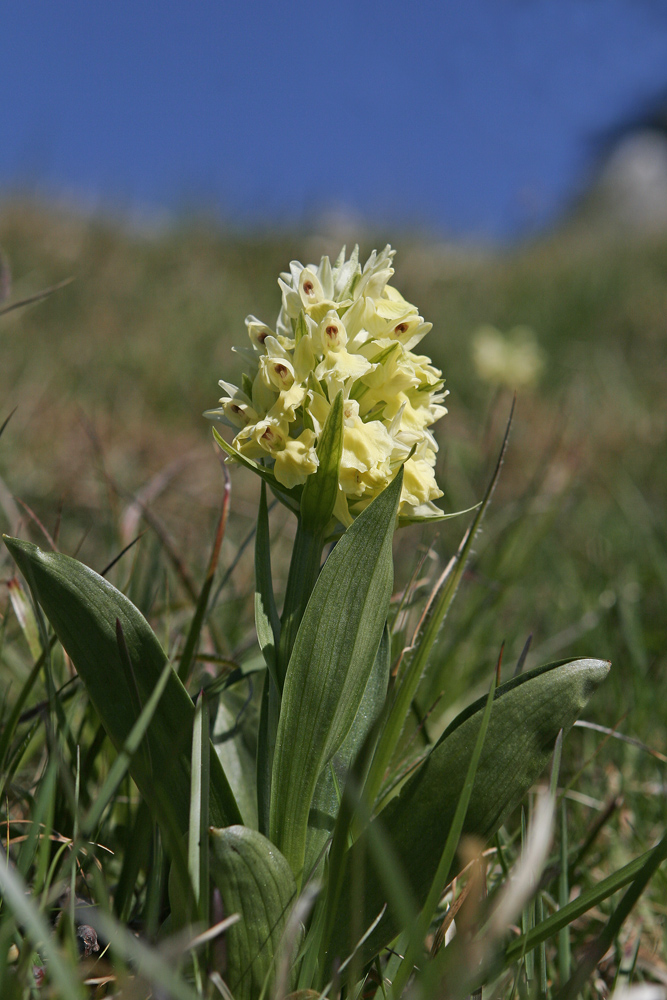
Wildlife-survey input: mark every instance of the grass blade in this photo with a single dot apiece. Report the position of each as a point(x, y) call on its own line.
point(433, 618)
point(25, 616)
point(9, 728)
point(564, 957)
point(17, 896)
point(418, 935)
point(37, 297)
point(194, 632)
point(615, 922)
point(644, 866)
point(528, 713)
point(150, 963)
point(199, 821)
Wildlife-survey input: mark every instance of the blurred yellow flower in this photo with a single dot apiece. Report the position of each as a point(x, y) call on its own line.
point(341, 328)
point(514, 359)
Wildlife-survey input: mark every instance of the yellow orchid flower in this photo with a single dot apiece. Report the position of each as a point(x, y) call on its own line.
point(297, 460)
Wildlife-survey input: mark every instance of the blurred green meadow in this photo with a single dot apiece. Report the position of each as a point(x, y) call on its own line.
point(109, 375)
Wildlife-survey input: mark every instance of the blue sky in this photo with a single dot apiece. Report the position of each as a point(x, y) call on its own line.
point(473, 118)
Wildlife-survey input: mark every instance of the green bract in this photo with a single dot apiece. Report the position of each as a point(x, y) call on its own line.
point(341, 329)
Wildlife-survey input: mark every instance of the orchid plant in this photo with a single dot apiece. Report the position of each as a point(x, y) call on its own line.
point(335, 845)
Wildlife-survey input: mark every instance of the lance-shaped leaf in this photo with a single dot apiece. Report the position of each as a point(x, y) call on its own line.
point(330, 665)
point(321, 488)
point(255, 881)
point(83, 609)
point(317, 503)
point(528, 713)
point(328, 791)
point(234, 751)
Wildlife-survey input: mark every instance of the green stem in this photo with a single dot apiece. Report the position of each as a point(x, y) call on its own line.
point(303, 572)
point(268, 726)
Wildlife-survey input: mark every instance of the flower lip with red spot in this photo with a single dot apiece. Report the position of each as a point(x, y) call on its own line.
point(332, 333)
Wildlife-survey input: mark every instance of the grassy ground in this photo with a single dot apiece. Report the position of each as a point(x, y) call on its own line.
point(109, 377)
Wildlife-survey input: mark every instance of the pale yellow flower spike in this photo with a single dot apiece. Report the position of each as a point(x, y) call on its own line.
point(341, 328)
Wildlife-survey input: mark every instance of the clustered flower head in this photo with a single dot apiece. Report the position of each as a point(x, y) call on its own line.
point(341, 328)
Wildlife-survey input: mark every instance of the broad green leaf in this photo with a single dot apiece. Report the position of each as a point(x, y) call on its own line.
point(528, 713)
point(330, 665)
point(324, 807)
point(321, 488)
point(84, 610)
point(231, 744)
point(317, 503)
point(255, 881)
point(122, 763)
